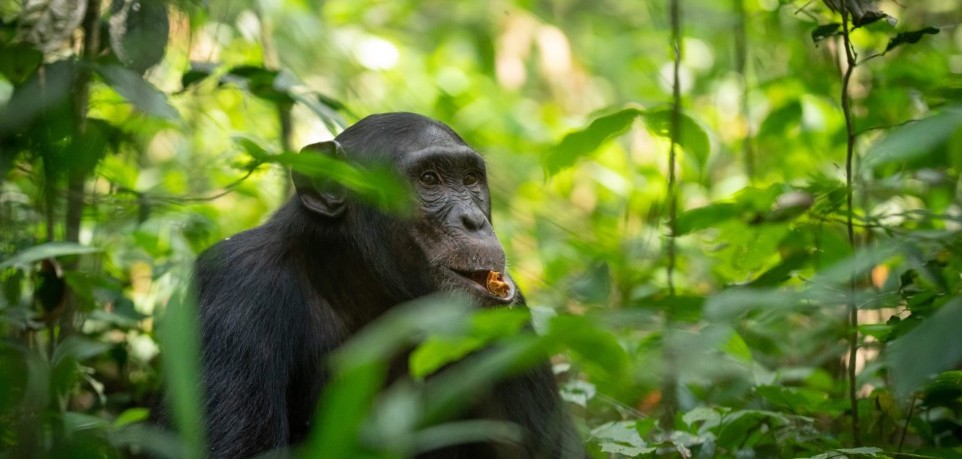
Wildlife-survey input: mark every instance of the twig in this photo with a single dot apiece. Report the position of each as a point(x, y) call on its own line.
point(670, 386)
point(741, 57)
point(849, 185)
point(905, 428)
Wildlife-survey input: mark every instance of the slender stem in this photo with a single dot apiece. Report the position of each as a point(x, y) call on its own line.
point(851, 63)
point(741, 59)
point(905, 428)
point(670, 386)
point(76, 178)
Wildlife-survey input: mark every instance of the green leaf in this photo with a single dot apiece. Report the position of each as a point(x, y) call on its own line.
point(728, 304)
point(581, 143)
point(131, 416)
point(268, 84)
point(179, 337)
point(781, 120)
point(78, 422)
point(910, 37)
point(621, 437)
point(437, 351)
point(197, 72)
point(944, 390)
point(19, 61)
point(793, 399)
point(380, 186)
point(485, 326)
point(864, 451)
point(77, 349)
point(824, 31)
point(915, 140)
point(706, 217)
point(694, 138)
point(138, 32)
point(595, 349)
point(137, 91)
point(928, 349)
point(25, 259)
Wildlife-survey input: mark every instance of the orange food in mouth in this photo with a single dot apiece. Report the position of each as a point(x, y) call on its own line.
point(497, 285)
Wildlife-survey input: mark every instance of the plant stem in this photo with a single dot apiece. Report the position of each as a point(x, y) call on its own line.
point(741, 59)
point(77, 176)
point(670, 386)
point(849, 185)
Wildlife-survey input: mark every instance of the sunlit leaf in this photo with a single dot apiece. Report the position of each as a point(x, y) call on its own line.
point(583, 142)
point(621, 438)
point(138, 91)
point(179, 336)
point(706, 217)
point(781, 120)
point(595, 349)
point(380, 186)
point(485, 326)
point(694, 137)
point(915, 140)
point(25, 259)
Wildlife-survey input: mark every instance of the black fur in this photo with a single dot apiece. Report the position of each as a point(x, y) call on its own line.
point(277, 299)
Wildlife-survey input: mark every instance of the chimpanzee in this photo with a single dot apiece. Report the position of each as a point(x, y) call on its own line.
point(277, 299)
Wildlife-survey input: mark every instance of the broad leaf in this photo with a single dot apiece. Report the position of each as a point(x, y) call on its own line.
point(581, 143)
point(930, 348)
point(25, 259)
point(693, 137)
point(824, 31)
point(138, 32)
point(137, 91)
point(915, 140)
point(910, 37)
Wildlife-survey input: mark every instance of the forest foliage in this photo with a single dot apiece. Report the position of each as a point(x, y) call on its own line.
point(736, 222)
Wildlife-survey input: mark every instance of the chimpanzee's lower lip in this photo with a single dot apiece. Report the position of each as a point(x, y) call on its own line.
point(477, 281)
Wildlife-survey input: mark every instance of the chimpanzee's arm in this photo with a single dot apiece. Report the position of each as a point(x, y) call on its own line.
point(249, 340)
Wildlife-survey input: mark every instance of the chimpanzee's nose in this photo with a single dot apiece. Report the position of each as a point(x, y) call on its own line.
point(473, 219)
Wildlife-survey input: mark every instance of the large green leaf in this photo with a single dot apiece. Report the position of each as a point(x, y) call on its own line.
point(930, 348)
point(693, 139)
point(138, 32)
point(137, 91)
point(26, 258)
point(706, 217)
point(583, 142)
point(179, 337)
point(379, 186)
point(915, 140)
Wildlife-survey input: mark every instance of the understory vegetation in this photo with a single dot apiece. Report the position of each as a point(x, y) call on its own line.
point(737, 223)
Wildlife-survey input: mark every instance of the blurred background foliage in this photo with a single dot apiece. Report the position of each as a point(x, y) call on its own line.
point(136, 133)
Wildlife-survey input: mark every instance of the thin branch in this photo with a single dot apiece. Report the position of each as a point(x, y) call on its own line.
point(851, 61)
point(905, 428)
point(670, 383)
point(886, 127)
point(741, 58)
point(225, 190)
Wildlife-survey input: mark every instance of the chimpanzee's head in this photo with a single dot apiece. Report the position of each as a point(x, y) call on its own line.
point(447, 243)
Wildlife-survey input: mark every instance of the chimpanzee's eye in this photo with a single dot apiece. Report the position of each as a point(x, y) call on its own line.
point(429, 178)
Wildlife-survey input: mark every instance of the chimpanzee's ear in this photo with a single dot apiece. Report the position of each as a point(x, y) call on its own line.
point(321, 195)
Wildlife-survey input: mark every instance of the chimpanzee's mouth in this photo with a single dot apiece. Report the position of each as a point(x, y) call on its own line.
point(479, 277)
point(492, 284)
